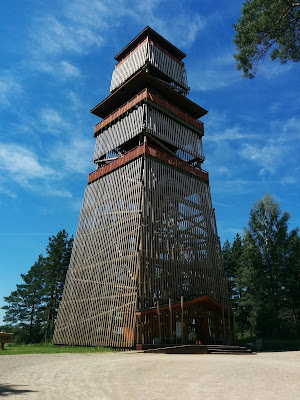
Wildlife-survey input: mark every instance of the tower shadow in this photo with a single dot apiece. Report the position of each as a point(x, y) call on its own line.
point(8, 390)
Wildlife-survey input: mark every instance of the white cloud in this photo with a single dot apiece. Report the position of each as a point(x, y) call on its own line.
point(4, 190)
point(272, 154)
point(75, 155)
point(52, 191)
point(70, 70)
point(266, 156)
point(52, 121)
point(80, 27)
point(216, 73)
point(272, 69)
point(54, 37)
point(9, 88)
point(289, 180)
point(177, 30)
point(229, 134)
point(21, 164)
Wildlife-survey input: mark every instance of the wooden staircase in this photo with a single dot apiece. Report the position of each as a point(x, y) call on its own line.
point(197, 349)
point(227, 349)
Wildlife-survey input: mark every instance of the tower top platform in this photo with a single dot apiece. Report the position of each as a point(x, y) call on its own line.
point(169, 47)
point(136, 84)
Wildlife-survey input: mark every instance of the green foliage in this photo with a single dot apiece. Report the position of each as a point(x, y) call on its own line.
point(233, 258)
point(48, 348)
point(59, 253)
point(263, 271)
point(31, 309)
point(265, 24)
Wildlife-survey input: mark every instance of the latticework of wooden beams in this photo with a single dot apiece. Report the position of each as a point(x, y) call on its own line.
point(147, 52)
point(146, 118)
point(100, 294)
point(146, 234)
point(181, 249)
point(146, 261)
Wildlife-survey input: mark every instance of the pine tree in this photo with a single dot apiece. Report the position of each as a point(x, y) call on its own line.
point(25, 305)
point(233, 259)
point(266, 244)
point(32, 308)
point(291, 283)
point(57, 262)
point(265, 25)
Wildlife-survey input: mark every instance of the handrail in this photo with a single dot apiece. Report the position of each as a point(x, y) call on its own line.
point(145, 93)
point(119, 111)
point(154, 152)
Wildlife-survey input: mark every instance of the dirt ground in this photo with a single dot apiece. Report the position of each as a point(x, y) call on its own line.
point(132, 375)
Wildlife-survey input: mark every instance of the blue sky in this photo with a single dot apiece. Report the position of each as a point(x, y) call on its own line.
point(56, 63)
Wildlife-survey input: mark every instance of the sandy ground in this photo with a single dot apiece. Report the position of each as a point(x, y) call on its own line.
point(132, 375)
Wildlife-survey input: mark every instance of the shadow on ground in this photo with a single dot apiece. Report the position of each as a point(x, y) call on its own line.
point(8, 390)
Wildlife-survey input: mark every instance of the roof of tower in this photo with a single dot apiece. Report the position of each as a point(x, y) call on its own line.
point(156, 38)
point(137, 83)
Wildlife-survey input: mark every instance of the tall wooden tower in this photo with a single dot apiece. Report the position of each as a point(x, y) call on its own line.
point(146, 264)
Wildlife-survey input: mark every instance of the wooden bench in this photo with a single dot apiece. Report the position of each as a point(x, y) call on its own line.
point(6, 338)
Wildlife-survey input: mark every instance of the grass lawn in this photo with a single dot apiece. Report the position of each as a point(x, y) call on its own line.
point(48, 348)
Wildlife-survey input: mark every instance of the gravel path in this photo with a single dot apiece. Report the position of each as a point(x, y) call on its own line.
point(132, 375)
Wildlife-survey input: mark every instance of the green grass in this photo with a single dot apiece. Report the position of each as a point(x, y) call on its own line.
point(281, 344)
point(275, 344)
point(48, 348)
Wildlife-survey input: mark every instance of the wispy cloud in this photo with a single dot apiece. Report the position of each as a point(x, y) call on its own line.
point(264, 156)
point(75, 154)
point(177, 30)
point(21, 167)
point(272, 153)
point(217, 72)
point(54, 37)
point(70, 70)
point(52, 121)
point(9, 88)
point(288, 180)
point(271, 69)
point(21, 164)
point(4, 190)
point(229, 134)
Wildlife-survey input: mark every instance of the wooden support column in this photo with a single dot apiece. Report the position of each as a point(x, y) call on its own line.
point(229, 326)
point(138, 338)
point(158, 321)
point(170, 318)
point(224, 325)
point(234, 335)
point(181, 319)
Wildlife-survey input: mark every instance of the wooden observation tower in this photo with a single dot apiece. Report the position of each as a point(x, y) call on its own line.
point(146, 264)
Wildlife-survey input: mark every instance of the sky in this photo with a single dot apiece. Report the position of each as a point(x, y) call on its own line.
point(56, 62)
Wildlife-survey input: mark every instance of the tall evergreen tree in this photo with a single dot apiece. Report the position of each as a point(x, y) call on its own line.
point(32, 307)
point(59, 252)
point(266, 245)
point(291, 284)
point(233, 258)
point(25, 306)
